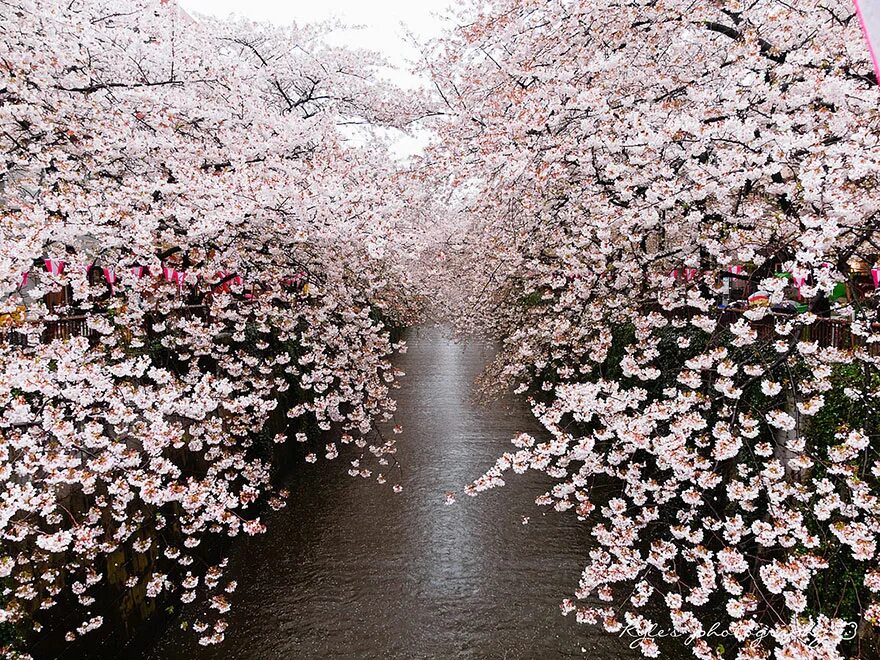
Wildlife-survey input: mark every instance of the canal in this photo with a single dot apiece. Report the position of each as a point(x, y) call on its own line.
point(351, 570)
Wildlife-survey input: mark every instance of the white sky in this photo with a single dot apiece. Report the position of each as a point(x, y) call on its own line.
point(378, 25)
point(381, 25)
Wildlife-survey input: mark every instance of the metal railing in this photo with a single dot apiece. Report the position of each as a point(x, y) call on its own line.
point(68, 327)
point(826, 332)
point(47, 330)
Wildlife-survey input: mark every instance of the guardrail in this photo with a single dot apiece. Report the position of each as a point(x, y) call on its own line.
point(69, 327)
point(49, 330)
point(826, 332)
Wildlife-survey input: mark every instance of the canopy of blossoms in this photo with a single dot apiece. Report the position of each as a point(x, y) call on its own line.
point(190, 246)
point(668, 214)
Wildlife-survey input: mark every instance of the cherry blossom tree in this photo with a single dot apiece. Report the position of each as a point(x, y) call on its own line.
point(183, 187)
point(617, 172)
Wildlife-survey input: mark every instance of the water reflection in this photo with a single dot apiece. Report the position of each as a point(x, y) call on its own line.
point(349, 570)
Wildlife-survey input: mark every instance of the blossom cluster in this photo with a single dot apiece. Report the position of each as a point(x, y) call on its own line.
point(724, 456)
point(136, 138)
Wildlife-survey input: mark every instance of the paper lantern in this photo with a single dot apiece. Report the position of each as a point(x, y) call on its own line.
point(54, 267)
point(110, 276)
point(171, 275)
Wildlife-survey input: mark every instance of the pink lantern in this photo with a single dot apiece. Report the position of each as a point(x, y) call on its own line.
point(24, 280)
point(171, 275)
point(54, 267)
point(875, 275)
point(139, 271)
point(799, 282)
point(110, 276)
point(689, 274)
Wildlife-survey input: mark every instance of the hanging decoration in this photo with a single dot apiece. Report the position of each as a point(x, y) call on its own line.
point(54, 267)
point(176, 276)
point(110, 276)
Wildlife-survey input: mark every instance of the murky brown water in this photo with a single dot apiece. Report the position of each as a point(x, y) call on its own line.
point(349, 570)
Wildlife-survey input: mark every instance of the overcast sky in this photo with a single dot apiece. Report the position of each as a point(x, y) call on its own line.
point(382, 21)
point(382, 26)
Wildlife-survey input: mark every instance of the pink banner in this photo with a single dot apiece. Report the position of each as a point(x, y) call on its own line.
point(24, 279)
point(868, 12)
point(875, 275)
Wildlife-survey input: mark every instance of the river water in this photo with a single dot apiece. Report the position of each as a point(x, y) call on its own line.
point(350, 570)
